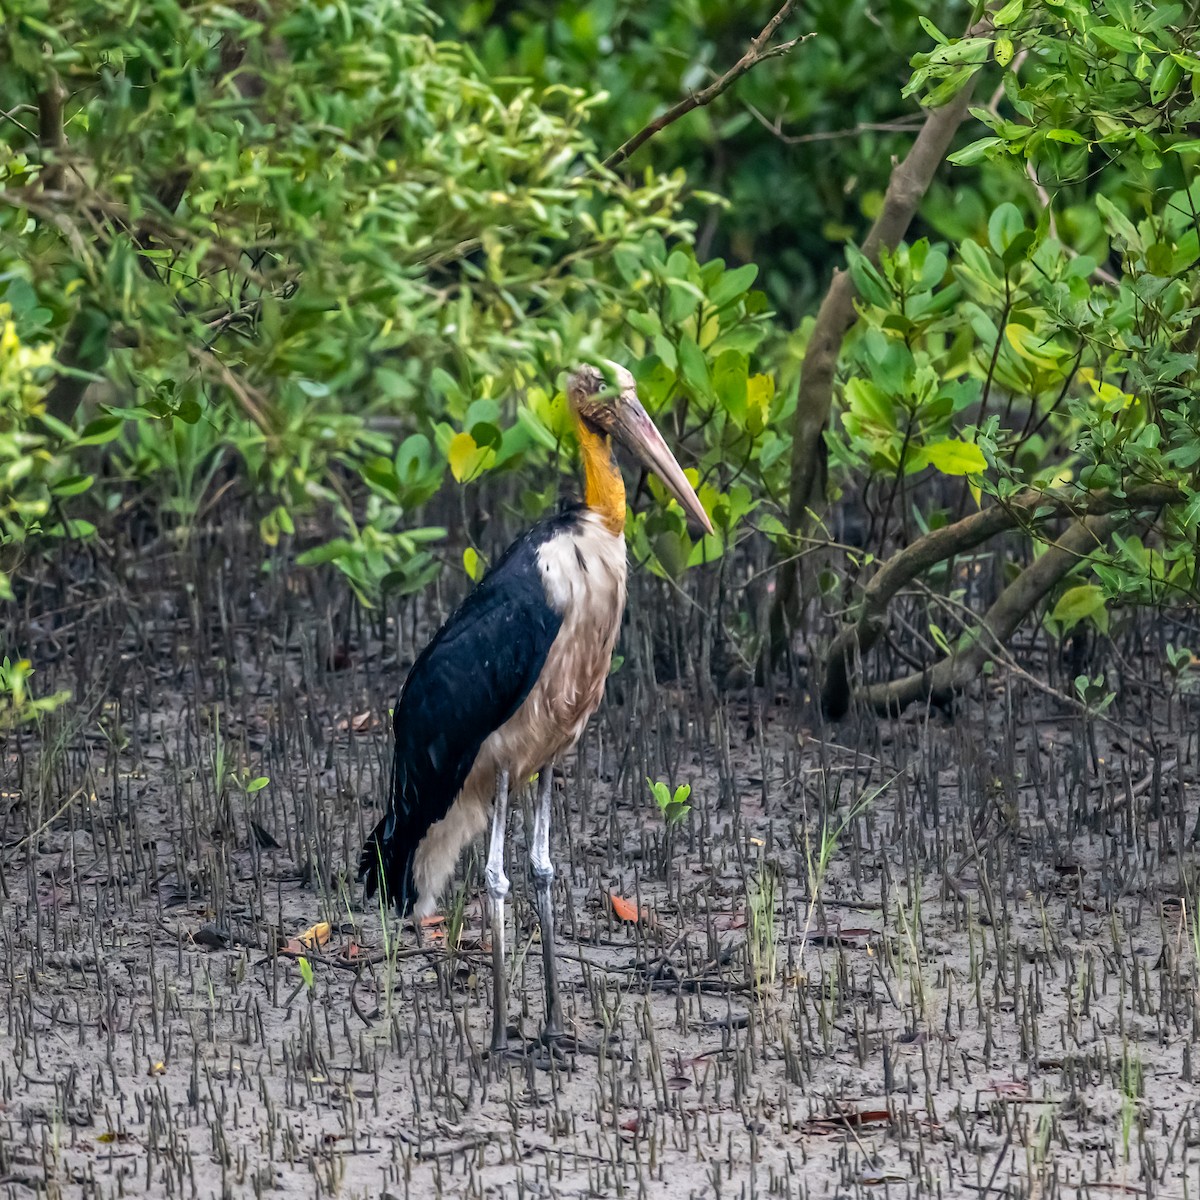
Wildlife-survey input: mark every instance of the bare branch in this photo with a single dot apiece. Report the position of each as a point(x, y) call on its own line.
point(51, 139)
point(1105, 513)
point(80, 355)
point(906, 188)
point(758, 51)
point(775, 128)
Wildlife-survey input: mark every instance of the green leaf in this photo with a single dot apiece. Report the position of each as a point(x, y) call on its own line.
point(953, 457)
point(72, 485)
point(1085, 602)
point(977, 151)
point(1114, 36)
point(693, 367)
point(933, 31)
point(1003, 225)
point(760, 391)
point(466, 458)
point(732, 284)
point(100, 430)
point(729, 383)
point(1008, 14)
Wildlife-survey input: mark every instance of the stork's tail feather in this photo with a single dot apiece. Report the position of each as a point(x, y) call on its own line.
point(387, 860)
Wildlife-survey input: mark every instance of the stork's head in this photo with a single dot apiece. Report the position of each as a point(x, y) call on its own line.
point(610, 408)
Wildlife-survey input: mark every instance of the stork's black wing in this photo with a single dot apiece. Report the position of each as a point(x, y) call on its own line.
point(468, 681)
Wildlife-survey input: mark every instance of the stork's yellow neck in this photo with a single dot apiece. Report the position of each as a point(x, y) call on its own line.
point(603, 487)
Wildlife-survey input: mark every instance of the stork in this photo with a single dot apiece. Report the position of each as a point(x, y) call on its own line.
point(508, 684)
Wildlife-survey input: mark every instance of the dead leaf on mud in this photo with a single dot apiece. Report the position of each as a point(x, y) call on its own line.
point(848, 1120)
point(313, 938)
point(624, 910)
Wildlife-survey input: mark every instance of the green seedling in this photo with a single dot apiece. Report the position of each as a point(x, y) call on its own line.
point(674, 806)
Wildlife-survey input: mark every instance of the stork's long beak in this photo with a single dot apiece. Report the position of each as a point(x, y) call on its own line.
point(637, 433)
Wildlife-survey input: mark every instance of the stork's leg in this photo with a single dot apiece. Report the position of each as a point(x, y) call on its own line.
point(497, 886)
point(543, 879)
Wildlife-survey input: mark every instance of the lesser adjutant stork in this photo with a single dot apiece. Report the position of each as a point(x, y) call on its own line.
point(509, 682)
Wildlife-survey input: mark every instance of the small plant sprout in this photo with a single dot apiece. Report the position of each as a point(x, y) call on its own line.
point(306, 972)
point(243, 781)
point(1132, 1077)
point(18, 705)
point(1094, 693)
point(1182, 663)
point(817, 859)
point(764, 935)
point(673, 806)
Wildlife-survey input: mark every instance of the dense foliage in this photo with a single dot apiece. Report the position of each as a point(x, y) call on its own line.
point(336, 257)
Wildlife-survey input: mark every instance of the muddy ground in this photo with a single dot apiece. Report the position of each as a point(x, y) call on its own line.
point(945, 955)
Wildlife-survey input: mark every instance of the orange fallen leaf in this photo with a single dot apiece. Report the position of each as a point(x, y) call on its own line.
point(625, 910)
point(435, 919)
point(360, 722)
point(848, 1120)
point(315, 936)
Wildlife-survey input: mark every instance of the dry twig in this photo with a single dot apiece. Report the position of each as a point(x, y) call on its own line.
point(759, 50)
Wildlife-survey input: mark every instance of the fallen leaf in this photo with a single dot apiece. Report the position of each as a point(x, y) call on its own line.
point(624, 910)
point(360, 722)
point(850, 1120)
point(158, 1068)
point(315, 936)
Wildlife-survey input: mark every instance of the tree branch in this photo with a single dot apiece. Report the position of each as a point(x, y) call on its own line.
point(82, 352)
point(758, 51)
point(52, 141)
point(906, 188)
point(1106, 513)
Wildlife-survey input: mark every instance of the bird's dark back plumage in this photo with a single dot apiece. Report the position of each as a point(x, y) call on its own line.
point(469, 680)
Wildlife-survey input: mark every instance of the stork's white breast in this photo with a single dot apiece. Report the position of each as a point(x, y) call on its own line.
point(583, 571)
